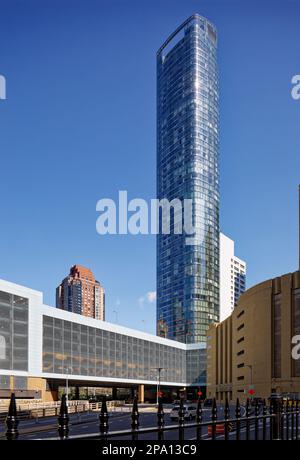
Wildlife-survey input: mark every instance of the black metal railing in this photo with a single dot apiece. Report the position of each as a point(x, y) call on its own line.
point(276, 420)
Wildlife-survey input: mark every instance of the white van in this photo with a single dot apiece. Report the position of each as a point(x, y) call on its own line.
point(189, 411)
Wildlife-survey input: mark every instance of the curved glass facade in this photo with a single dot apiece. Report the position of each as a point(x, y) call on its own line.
point(188, 168)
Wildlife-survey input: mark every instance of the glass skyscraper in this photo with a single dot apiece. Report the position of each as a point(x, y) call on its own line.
point(188, 167)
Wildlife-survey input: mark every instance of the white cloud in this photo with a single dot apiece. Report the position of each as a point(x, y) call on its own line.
point(151, 296)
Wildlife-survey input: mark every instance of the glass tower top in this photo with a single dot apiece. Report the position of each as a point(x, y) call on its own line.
point(188, 167)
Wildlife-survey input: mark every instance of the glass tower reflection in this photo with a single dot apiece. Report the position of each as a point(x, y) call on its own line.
point(188, 167)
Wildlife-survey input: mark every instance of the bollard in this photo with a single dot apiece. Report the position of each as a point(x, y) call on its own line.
point(103, 417)
point(276, 404)
point(12, 421)
point(135, 419)
point(63, 419)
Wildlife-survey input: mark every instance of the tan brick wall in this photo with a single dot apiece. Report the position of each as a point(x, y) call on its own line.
point(40, 384)
point(245, 339)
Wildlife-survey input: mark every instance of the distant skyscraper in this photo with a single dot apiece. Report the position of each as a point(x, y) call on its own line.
point(232, 277)
point(188, 168)
point(81, 293)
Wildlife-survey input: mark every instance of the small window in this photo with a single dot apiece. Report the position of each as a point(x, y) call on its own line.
point(240, 327)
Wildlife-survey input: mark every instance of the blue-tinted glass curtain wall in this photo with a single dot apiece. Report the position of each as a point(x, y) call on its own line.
point(188, 167)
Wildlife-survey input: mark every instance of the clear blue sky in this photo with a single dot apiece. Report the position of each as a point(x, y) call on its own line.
point(79, 125)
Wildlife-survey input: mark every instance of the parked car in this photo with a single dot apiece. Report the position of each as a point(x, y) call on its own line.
point(189, 412)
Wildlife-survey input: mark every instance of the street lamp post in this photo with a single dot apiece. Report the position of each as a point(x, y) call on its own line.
point(67, 384)
point(67, 389)
point(158, 369)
